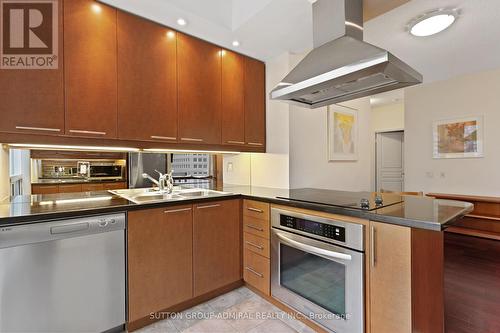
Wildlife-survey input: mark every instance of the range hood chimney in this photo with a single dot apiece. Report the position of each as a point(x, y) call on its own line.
point(342, 66)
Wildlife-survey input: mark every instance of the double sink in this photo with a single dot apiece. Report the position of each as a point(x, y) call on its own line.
point(150, 195)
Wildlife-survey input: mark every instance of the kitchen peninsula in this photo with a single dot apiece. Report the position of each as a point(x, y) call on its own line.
point(399, 233)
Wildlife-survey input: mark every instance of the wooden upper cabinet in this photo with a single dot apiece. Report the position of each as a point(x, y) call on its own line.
point(147, 80)
point(255, 103)
point(216, 245)
point(90, 69)
point(199, 70)
point(32, 100)
point(233, 98)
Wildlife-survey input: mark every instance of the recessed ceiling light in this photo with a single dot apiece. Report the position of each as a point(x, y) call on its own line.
point(181, 21)
point(96, 8)
point(236, 43)
point(433, 22)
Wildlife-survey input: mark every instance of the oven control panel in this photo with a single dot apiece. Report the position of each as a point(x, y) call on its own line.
point(312, 227)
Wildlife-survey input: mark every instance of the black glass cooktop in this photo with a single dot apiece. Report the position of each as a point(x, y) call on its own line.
point(354, 200)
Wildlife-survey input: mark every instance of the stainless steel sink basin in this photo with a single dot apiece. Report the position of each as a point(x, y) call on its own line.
point(153, 195)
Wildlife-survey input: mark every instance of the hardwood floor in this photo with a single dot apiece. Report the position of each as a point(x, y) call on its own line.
point(472, 284)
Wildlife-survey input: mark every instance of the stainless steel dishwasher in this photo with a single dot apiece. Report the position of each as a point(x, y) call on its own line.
point(63, 275)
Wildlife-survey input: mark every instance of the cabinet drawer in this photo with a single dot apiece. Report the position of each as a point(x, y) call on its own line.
point(256, 209)
point(92, 187)
point(256, 244)
point(256, 271)
point(70, 188)
point(256, 227)
point(44, 189)
point(115, 186)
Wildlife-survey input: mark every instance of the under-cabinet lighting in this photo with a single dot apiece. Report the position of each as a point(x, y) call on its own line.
point(63, 147)
point(67, 201)
point(170, 34)
point(161, 150)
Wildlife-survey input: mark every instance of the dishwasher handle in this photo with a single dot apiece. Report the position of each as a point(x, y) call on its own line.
point(52, 230)
point(69, 228)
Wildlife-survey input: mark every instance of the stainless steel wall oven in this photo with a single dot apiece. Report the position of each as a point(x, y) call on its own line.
point(317, 268)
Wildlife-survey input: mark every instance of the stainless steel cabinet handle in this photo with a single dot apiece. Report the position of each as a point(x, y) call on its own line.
point(87, 132)
point(44, 129)
point(236, 142)
point(163, 137)
point(255, 144)
point(313, 249)
point(372, 241)
point(253, 271)
point(209, 206)
point(254, 245)
point(177, 210)
point(255, 210)
point(192, 139)
point(254, 227)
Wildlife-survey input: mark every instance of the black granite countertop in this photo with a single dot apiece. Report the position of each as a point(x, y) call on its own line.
point(416, 212)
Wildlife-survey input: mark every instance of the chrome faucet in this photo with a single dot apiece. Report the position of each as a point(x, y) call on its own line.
point(165, 182)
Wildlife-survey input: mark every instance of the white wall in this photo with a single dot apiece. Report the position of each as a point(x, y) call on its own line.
point(388, 117)
point(309, 165)
point(4, 173)
point(476, 94)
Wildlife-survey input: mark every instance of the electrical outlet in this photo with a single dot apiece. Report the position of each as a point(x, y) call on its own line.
point(230, 167)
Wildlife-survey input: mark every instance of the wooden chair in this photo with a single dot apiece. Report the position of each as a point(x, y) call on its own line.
point(403, 193)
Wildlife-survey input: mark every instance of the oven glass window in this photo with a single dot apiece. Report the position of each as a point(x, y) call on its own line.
point(317, 279)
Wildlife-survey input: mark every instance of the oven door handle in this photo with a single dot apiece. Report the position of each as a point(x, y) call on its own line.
point(313, 249)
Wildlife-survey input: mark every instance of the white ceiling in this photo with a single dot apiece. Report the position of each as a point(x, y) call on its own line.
point(268, 28)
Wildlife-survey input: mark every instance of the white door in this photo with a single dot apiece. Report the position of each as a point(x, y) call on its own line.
point(390, 165)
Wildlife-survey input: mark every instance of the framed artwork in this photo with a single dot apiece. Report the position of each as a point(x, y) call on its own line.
point(342, 134)
point(458, 138)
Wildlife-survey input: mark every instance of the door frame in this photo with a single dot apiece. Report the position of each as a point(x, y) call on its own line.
point(375, 154)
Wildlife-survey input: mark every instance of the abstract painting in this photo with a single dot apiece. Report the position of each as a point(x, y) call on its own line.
point(458, 138)
point(342, 134)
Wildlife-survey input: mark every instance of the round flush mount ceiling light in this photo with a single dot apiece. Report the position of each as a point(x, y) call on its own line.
point(236, 43)
point(181, 21)
point(432, 22)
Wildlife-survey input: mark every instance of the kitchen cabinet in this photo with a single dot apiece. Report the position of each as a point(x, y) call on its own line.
point(255, 104)
point(44, 189)
point(160, 252)
point(233, 98)
point(70, 188)
point(32, 100)
point(92, 187)
point(90, 69)
point(256, 242)
point(147, 80)
point(199, 94)
point(115, 186)
point(216, 245)
point(390, 278)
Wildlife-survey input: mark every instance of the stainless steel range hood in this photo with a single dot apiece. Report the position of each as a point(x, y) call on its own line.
point(342, 66)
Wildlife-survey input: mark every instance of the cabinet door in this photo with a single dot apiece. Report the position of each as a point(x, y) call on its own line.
point(255, 103)
point(32, 100)
point(159, 259)
point(233, 98)
point(390, 278)
point(90, 69)
point(199, 68)
point(92, 187)
point(147, 80)
point(44, 189)
point(217, 245)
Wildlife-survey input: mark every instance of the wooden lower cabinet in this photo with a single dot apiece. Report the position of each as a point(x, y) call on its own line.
point(390, 278)
point(92, 187)
point(160, 259)
point(71, 188)
point(44, 189)
point(257, 271)
point(216, 245)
